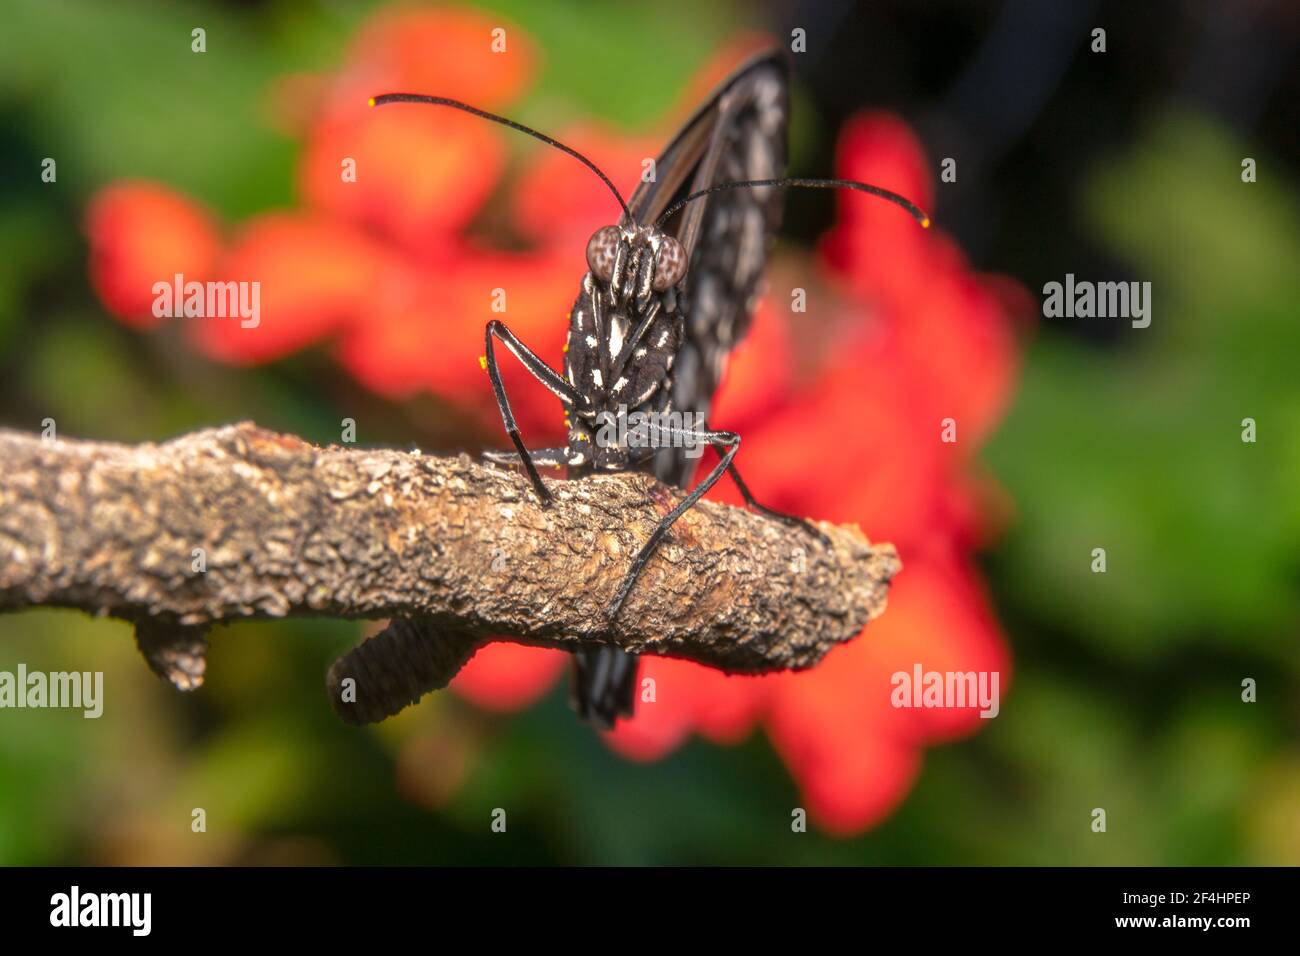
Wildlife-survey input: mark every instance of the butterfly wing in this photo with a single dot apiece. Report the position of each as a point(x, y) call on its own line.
point(727, 235)
point(708, 140)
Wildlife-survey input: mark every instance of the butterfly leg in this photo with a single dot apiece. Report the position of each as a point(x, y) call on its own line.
point(792, 520)
point(719, 440)
point(540, 371)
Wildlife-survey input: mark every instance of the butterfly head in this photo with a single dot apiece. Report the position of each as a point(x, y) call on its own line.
point(633, 261)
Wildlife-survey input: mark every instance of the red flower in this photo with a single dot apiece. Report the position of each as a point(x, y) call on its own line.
point(504, 680)
point(141, 234)
point(378, 261)
point(908, 343)
point(918, 339)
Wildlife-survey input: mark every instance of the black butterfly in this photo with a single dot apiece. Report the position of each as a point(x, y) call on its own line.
point(669, 292)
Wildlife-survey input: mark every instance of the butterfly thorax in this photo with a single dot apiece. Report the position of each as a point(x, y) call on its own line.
point(624, 333)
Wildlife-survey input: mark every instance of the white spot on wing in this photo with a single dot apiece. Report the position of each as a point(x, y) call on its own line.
point(597, 378)
point(616, 331)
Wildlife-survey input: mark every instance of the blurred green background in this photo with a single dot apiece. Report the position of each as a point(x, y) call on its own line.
point(1127, 684)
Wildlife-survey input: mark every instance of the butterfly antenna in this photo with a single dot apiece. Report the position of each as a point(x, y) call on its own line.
point(912, 208)
point(475, 111)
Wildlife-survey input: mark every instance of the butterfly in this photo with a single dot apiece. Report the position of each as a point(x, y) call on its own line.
point(668, 292)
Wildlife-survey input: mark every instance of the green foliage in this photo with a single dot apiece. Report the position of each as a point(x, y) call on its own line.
point(1140, 452)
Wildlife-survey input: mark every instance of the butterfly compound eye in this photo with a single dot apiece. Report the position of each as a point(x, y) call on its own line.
point(672, 264)
point(601, 248)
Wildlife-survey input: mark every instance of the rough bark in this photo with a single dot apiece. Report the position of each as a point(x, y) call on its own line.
point(239, 522)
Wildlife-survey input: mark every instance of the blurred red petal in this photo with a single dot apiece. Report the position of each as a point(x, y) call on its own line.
point(956, 337)
point(414, 173)
point(950, 328)
point(852, 791)
point(659, 726)
point(421, 172)
point(830, 727)
point(758, 374)
point(428, 334)
point(406, 341)
point(141, 233)
point(315, 276)
point(880, 248)
point(504, 676)
point(480, 59)
point(940, 619)
point(847, 449)
point(854, 753)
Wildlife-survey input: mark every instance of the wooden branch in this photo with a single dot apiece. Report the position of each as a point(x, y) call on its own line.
point(240, 522)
